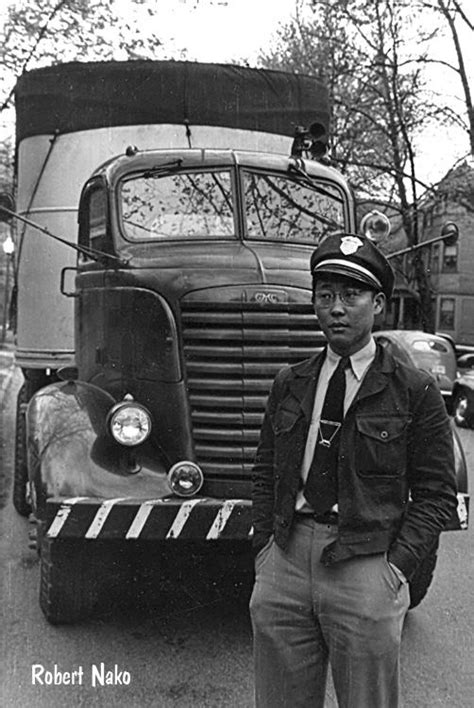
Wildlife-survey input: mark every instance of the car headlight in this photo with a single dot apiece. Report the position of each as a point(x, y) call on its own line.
point(185, 478)
point(129, 422)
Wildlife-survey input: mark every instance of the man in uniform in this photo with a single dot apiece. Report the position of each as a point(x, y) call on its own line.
point(353, 482)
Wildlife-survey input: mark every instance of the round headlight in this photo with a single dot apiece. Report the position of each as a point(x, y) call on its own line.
point(129, 423)
point(185, 478)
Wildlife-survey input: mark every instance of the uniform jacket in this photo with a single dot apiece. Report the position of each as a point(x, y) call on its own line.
point(396, 476)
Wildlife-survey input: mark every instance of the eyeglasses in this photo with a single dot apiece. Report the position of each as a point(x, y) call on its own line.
point(348, 296)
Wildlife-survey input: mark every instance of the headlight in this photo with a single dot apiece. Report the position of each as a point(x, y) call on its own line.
point(129, 422)
point(185, 478)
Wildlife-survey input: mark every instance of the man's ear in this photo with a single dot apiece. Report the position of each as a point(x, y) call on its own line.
point(379, 303)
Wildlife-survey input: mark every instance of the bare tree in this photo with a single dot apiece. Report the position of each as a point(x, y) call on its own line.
point(373, 56)
point(43, 32)
point(451, 11)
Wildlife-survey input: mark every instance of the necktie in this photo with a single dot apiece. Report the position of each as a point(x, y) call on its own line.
point(321, 485)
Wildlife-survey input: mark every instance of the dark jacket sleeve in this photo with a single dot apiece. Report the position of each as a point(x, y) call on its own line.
point(263, 484)
point(431, 479)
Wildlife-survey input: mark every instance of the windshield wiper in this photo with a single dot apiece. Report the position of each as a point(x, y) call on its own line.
point(160, 169)
point(88, 251)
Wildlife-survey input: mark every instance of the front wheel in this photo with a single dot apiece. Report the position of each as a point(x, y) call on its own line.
point(80, 577)
point(68, 592)
point(462, 416)
point(20, 475)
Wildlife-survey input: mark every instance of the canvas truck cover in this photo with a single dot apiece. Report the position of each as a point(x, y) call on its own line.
point(84, 96)
point(73, 117)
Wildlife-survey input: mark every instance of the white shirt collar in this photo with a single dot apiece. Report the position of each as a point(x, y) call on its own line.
point(360, 360)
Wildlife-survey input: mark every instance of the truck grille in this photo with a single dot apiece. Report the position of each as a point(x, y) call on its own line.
point(233, 352)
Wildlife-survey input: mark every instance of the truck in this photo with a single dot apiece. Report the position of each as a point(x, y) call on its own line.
point(167, 212)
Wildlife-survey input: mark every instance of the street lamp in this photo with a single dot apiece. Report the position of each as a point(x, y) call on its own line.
point(8, 249)
point(375, 225)
point(449, 234)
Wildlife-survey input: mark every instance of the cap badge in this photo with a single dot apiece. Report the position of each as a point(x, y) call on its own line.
point(350, 244)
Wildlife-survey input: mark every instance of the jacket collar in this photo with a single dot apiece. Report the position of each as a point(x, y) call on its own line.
point(377, 375)
point(305, 375)
point(303, 383)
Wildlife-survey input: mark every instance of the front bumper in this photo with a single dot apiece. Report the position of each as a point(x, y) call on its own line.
point(168, 518)
point(460, 518)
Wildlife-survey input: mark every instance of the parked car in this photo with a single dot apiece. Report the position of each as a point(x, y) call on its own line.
point(430, 352)
point(466, 361)
point(463, 350)
point(463, 392)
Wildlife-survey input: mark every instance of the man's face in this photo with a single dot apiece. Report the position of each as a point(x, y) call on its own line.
point(346, 310)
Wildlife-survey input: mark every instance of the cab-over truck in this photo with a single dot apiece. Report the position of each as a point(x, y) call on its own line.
point(199, 194)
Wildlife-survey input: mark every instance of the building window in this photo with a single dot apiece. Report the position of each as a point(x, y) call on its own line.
point(447, 312)
point(450, 259)
point(434, 265)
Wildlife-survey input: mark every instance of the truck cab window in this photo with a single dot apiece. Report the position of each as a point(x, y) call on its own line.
point(93, 221)
point(178, 206)
point(281, 208)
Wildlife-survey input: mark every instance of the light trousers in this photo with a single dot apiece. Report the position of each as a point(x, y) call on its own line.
point(305, 615)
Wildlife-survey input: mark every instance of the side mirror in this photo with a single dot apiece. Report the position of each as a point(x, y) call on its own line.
point(7, 204)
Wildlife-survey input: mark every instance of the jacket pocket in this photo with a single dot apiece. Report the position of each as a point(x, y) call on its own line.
point(263, 554)
point(381, 445)
point(285, 419)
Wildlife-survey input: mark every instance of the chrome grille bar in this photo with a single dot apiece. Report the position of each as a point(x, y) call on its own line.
point(232, 353)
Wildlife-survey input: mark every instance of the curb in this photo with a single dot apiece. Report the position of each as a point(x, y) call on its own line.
point(7, 371)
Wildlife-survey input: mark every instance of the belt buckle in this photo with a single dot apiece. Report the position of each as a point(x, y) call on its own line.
point(329, 517)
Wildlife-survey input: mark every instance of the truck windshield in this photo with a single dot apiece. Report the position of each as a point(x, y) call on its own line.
point(281, 208)
point(177, 206)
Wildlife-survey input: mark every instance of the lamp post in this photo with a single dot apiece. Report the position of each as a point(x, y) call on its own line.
point(8, 249)
point(449, 234)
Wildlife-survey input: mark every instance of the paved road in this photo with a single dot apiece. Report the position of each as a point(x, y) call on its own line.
point(194, 648)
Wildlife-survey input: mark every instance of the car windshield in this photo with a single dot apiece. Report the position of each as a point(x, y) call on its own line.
point(286, 209)
point(177, 206)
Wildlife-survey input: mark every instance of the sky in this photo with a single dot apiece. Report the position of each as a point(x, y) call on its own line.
point(217, 30)
point(234, 31)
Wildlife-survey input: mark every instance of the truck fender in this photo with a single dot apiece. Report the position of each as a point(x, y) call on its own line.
point(71, 453)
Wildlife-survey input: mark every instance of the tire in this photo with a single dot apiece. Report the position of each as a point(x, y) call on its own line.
point(79, 578)
point(20, 473)
point(423, 577)
point(68, 592)
point(462, 418)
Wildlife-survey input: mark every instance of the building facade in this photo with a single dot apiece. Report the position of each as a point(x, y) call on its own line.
point(448, 267)
point(451, 266)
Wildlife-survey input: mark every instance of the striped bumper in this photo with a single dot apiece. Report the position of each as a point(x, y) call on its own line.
point(460, 520)
point(167, 518)
point(154, 519)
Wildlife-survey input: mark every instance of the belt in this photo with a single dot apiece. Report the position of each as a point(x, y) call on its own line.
point(329, 517)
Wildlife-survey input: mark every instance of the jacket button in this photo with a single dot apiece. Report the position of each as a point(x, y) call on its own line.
point(384, 434)
point(283, 522)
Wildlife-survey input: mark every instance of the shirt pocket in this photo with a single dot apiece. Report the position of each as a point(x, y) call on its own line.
point(381, 445)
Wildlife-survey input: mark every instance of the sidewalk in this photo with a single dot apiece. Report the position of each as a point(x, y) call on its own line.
point(7, 351)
